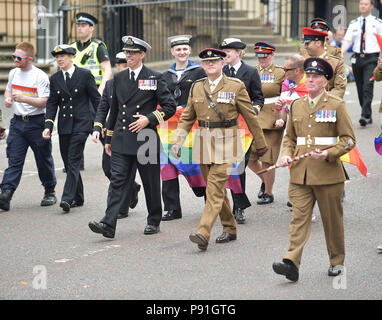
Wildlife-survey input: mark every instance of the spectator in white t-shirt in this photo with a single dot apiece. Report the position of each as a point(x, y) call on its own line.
point(27, 92)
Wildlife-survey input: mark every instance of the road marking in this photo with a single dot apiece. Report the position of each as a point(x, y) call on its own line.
point(88, 253)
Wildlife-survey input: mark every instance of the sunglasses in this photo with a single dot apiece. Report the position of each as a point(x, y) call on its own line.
point(18, 58)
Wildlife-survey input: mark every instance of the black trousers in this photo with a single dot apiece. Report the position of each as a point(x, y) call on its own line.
point(106, 167)
point(71, 149)
point(363, 72)
point(240, 200)
point(123, 171)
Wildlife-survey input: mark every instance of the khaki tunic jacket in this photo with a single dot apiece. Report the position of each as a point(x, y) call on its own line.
point(271, 83)
point(302, 123)
point(218, 145)
point(378, 77)
point(1, 120)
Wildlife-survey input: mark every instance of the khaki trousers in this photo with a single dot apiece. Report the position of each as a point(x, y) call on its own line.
point(217, 202)
point(328, 198)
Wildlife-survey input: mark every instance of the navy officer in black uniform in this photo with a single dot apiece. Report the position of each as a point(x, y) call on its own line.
point(99, 133)
point(236, 68)
point(71, 90)
point(181, 75)
point(132, 139)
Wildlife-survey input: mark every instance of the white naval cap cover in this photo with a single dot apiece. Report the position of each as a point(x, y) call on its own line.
point(233, 43)
point(135, 44)
point(180, 39)
point(120, 57)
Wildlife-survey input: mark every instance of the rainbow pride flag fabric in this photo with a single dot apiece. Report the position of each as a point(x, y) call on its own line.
point(171, 167)
point(354, 157)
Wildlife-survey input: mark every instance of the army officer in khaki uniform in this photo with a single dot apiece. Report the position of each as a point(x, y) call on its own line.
point(322, 25)
point(272, 77)
point(314, 44)
point(316, 121)
point(216, 102)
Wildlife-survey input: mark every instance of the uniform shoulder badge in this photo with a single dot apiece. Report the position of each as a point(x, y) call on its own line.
point(334, 97)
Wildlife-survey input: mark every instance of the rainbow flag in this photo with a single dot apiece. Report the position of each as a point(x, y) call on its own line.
point(171, 167)
point(354, 157)
point(378, 144)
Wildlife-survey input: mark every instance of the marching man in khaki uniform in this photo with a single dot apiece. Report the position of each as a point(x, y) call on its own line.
point(314, 44)
point(377, 73)
point(316, 121)
point(216, 102)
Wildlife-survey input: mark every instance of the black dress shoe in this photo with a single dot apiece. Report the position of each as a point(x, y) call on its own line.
point(76, 204)
point(172, 215)
point(364, 121)
point(65, 206)
point(335, 270)
point(150, 229)
point(261, 191)
point(286, 268)
point(289, 204)
point(134, 197)
point(225, 237)
point(199, 240)
point(104, 229)
point(122, 215)
point(266, 199)
point(49, 199)
point(239, 216)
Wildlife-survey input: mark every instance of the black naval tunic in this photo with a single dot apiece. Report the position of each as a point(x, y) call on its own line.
point(77, 107)
point(180, 89)
point(129, 151)
point(251, 79)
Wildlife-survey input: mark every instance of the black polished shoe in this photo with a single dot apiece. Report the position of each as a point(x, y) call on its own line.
point(199, 240)
point(289, 204)
point(364, 121)
point(76, 204)
point(261, 191)
point(172, 215)
point(49, 199)
point(150, 229)
point(239, 216)
point(336, 270)
point(266, 199)
point(104, 229)
point(65, 206)
point(225, 237)
point(286, 268)
point(122, 215)
point(134, 197)
point(5, 199)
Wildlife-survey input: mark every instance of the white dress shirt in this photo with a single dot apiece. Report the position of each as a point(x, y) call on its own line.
point(354, 33)
point(70, 71)
point(136, 71)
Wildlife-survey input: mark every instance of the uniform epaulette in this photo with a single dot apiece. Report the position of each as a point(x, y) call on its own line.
point(335, 97)
point(354, 20)
point(277, 66)
point(98, 41)
point(193, 85)
point(380, 20)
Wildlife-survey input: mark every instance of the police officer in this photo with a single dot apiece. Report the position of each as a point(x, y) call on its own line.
point(132, 139)
point(314, 44)
point(315, 122)
point(27, 92)
point(237, 68)
point(99, 133)
point(272, 77)
point(74, 93)
point(216, 102)
point(91, 52)
point(179, 78)
point(361, 34)
point(322, 25)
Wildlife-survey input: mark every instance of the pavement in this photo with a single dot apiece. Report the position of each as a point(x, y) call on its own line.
point(48, 255)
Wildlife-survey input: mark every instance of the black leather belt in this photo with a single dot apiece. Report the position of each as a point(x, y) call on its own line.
point(364, 55)
point(219, 124)
point(26, 118)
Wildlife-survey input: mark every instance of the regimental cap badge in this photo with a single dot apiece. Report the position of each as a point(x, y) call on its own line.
point(209, 53)
point(129, 42)
point(314, 64)
point(58, 49)
point(224, 43)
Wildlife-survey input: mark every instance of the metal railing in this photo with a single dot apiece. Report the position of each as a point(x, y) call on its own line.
point(153, 21)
